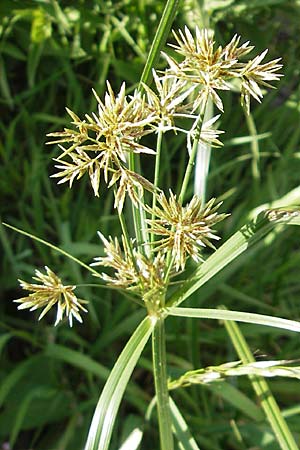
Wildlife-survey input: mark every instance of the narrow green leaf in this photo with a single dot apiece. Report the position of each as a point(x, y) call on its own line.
point(218, 314)
point(181, 429)
point(281, 430)
point(87, 364)
point(110, 399)
point(4, 85)
point(33, 60)
point(54, 247)
point(237, 399)
point(247, 236)
point(160, 38)
point(132, 430)
point(121, 27)
point(22, 369)
point(39, 392)
point(4, 339)
point(77, 359)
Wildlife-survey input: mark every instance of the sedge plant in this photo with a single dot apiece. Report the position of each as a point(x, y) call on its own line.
point(162, 259)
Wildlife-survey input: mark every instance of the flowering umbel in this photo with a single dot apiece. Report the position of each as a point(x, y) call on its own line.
point(168, 103)
point(184, 230)
point(212, 69)
point(141, 275)
point(103, 140)
point(49, 293)
point(103, 145)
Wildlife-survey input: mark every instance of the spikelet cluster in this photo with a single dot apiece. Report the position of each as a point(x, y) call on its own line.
point(184, 230)
point(51, 292)
point(211, 69)
point(141, 275)
point(102, 141)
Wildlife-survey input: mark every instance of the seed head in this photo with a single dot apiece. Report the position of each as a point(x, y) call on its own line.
point(184, 230)
point(133, 271)
point(212, 69)
point(50, 292)
point(254, 74)
point(208, 134)
point(168, 102)
point(130, 183)
point(103, 141)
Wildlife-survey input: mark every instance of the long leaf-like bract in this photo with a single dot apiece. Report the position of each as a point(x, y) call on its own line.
point(247, 236)
point(238, 316)
point(110, 399)
point(159, 38)
point(181, 429)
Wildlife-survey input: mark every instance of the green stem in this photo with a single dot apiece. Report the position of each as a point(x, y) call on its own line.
point(159, 39)
point(255, 156)
point(191, 162)
point(125, 233)
point(254, 147)
point(156, 174)
point(138, 215)
point(161, 386)
point(279, 426)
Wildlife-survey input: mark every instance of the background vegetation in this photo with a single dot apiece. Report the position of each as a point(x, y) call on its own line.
point(51, 54)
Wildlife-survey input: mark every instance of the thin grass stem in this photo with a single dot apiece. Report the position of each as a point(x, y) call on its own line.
point(159, 39)
point(54, 247)
point(279, 426)
point(191, 161)
point(255, 150)
point(139, 222)
point(161, 385)
point(156, 174)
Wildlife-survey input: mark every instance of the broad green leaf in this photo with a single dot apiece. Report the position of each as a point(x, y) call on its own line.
point(110, 399)
point(219, 314)
point(247, 236)
point(181, 429)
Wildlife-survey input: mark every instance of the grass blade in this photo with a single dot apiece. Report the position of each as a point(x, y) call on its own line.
point(77, 359)
point(110, 399)
point(160, 38)
point(246, 237)
point(87, 364)
point(260, 386)
point(54, 247)
point(218, 314)
point(236, 398)
point(181, 429)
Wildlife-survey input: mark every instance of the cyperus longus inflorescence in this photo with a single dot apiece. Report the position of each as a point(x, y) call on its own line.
point(104, 145)
point(52, 292)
